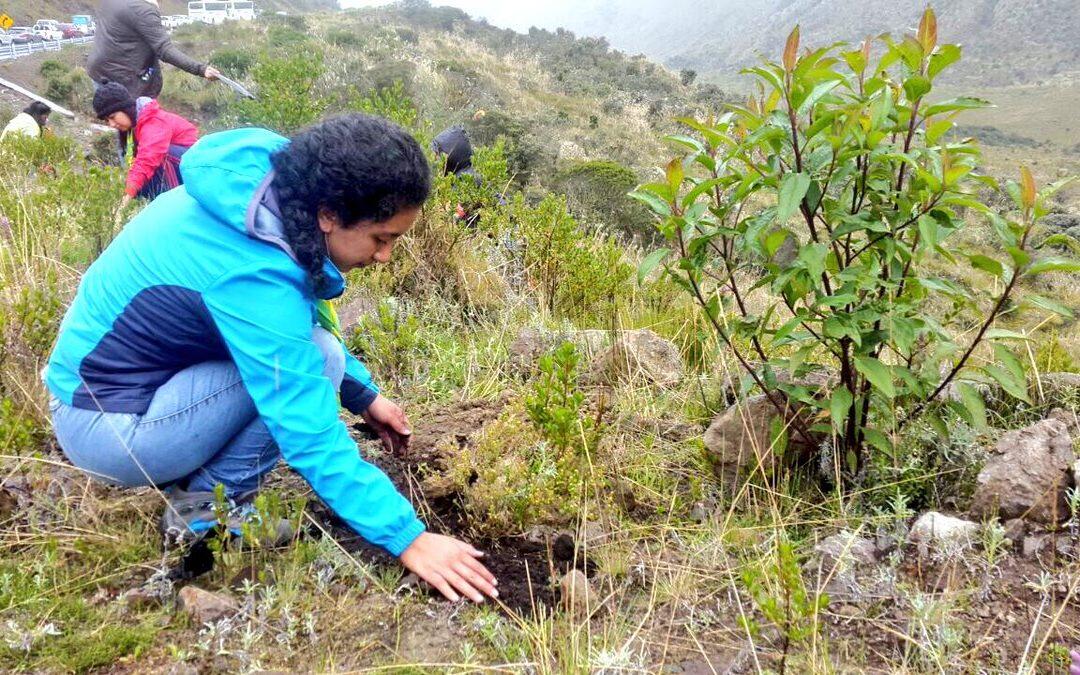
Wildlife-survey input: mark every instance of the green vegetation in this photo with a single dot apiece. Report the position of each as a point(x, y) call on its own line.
point(833, 242)
point(878, 205)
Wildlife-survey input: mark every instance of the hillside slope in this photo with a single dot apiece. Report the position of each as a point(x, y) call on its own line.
point(1005, 41)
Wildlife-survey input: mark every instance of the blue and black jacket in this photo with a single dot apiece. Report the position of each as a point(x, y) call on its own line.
point(202, 274)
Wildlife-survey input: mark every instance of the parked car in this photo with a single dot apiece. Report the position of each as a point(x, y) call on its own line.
point(48, 29)
point(70, 31)
point(84, 22)
point(24, 34)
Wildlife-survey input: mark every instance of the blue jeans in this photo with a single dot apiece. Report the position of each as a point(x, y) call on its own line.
point(201, 429)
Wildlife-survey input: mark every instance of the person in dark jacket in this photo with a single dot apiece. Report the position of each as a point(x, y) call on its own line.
point(455, 150)
point(130, 44)
point(192, 356)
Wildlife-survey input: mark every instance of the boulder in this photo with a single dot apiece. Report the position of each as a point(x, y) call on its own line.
point(845, 551)
point(639, 355)
point(846, 567)
point(1028, 475)
point(739, 440)
point(933, 530)
point(532, 343)
point(204, 606)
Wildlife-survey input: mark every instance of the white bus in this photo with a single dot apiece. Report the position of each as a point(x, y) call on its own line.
point(218, 11)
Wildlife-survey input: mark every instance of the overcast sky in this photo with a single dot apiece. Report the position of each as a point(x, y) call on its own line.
point(517, 15)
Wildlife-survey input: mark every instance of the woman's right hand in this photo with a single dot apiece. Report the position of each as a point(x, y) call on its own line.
point(451, 566)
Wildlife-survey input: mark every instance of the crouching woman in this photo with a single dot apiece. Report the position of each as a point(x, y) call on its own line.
point(160, 140)
point(192, 354)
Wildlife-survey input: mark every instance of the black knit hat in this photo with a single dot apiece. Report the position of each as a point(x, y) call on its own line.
point(111, 97)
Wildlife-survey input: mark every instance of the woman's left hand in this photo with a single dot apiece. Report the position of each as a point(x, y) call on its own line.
point(388, 420)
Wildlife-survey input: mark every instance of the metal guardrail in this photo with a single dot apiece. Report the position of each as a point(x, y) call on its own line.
point(14, 51)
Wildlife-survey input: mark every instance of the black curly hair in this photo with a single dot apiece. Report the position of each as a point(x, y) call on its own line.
point(357, 166)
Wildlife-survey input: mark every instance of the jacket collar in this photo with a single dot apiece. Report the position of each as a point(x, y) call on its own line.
point(263, 222)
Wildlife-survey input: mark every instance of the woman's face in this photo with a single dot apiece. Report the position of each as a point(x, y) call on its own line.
point(365, 242)
point(119, 120)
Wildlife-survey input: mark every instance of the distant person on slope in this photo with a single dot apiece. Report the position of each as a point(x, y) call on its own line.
point(192, 355)
point(454, 149)
point(161, 139)
point(31, 122)
point(130, 44)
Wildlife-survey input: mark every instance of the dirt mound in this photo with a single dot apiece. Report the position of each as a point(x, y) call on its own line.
point(528, 570)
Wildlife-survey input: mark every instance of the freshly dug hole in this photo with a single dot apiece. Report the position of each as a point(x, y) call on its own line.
point(527, 570)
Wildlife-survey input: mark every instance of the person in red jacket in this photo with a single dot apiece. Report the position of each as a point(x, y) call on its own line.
point(161, 139)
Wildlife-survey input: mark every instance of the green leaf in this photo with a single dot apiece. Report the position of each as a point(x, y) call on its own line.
point(915, 87)
point(935, 130)
point(1061, 239)
point(813, 256)
point(773, 241)
point(961, 103)
point(815, 95)
point(1049, 305)
point(793, 187)
point(878, 440)
point(839, 406)
point(986, 264)
point(650, 262)
point(655, 203)
point(1003, 334)
point(878, 374)
point(943, 57)
point(973, 403)
point(1053, 265)
point(1008, 372)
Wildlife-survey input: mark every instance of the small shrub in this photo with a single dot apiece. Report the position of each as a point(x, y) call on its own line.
point(598, 191)
point(51, 68)
point(555, 404)
point(344, 38)
point(390, 343)
point(233, 62)
point(287, 99)
point(390, 102)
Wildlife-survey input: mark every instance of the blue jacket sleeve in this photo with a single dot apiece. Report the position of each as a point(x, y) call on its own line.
point(357, 388)
point(265, 321)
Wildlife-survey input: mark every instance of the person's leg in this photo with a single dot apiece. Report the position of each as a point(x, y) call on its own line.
point(252, 453)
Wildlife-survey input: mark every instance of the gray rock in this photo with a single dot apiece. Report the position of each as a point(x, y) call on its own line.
point(529, 345)
point(640, 355)
point(532, 343)
point(845, 550)
point(739, 440)
point(576, 594)
point(1027, 475)
point(206, 607)
point(844, 564)
point(936, 531)
point(1034, 544)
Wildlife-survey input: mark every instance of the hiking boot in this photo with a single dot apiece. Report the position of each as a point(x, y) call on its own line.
point(190, 516)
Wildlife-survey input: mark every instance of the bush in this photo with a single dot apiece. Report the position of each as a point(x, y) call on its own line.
point(575, 275)
point(287, 100)
point(857, 157)
point(233, 62)
point(598, 191)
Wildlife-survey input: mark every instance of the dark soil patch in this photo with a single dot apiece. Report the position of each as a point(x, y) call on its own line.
point(528, 570)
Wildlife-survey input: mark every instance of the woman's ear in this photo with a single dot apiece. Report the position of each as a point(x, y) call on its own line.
point(328, 220)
